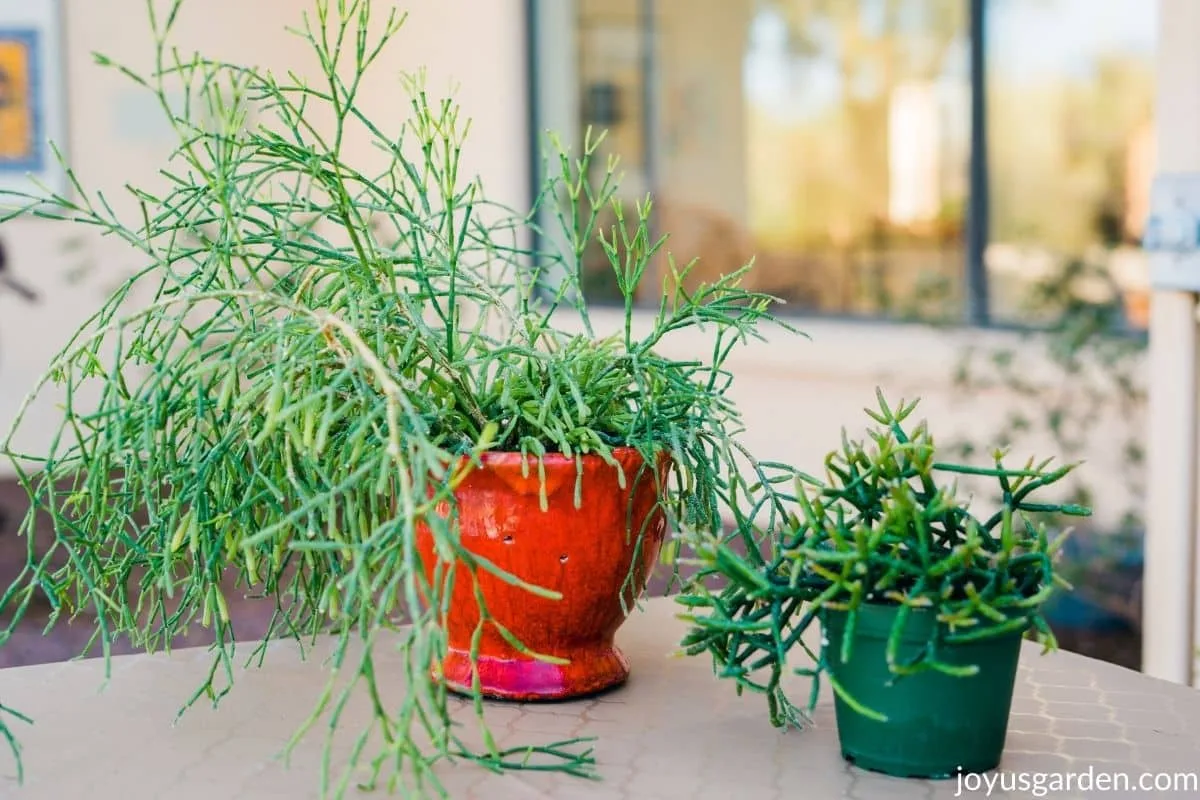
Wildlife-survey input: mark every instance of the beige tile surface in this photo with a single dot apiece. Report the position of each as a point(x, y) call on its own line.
point(673, 731)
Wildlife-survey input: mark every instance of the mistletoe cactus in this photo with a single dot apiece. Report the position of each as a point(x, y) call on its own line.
point(885, 527)
point(269, 404)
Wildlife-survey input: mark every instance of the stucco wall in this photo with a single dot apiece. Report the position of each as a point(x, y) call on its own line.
point(796, 394)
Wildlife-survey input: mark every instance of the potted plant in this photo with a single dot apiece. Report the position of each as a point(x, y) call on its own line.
point(923, 604)
point(350, 388)
point(584, 531)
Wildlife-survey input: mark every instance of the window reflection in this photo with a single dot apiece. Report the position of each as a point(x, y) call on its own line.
point(612, 99)
point(826, 139)
point(1070, 118)
point(857, 161)
point(829, 140)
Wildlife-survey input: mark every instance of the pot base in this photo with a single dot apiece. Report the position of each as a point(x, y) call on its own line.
point(906, 768)
point(590, 671)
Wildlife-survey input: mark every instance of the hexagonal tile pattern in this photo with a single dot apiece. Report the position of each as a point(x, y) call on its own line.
point(1079, 729)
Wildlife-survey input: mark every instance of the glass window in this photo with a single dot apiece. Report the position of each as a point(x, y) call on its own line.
point(1070, 123)
point(830, 139)
point(825, 139)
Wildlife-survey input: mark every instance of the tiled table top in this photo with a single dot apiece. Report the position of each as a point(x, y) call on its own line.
point(673, 731)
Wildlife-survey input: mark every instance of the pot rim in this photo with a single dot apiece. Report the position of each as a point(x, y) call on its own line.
point(552, 460)
point(916, 610)
point(875, 620)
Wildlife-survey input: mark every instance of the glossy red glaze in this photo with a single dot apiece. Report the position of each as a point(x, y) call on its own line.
point(583, 553)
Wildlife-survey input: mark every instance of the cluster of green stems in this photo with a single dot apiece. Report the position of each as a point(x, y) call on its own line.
point(883, 528)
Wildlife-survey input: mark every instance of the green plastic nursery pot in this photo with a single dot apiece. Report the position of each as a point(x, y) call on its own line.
point(937, 725)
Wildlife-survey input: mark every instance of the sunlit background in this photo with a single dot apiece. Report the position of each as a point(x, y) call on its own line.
point(831, 139)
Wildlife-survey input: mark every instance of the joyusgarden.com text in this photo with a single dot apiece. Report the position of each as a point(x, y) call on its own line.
point(1051, 784)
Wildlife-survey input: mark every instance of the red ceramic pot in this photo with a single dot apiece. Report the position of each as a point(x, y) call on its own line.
point(584, 554)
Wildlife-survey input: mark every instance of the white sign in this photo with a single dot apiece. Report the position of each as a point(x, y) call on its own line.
point(1172, 238)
